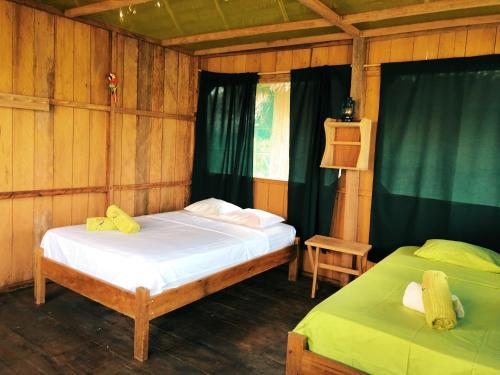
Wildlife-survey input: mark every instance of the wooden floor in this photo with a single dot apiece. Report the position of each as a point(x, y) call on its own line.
point(240, 330)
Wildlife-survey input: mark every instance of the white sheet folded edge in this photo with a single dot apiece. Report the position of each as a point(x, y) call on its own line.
point(413, 300)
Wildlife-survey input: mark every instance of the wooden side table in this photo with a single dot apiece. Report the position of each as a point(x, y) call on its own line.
point(356, 249)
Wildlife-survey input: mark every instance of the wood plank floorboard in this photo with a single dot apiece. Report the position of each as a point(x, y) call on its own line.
point(240, 330)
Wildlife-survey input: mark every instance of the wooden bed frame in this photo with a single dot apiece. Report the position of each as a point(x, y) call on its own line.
point(140, 306)
point(299, 360)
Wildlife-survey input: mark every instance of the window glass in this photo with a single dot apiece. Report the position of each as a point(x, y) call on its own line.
point(272, 131)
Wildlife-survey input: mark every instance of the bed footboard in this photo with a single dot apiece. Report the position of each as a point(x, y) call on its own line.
point(142, 307)
point(301, 361)
point(134, 305)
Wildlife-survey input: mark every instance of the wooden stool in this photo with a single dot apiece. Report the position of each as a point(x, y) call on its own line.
point(359, 250)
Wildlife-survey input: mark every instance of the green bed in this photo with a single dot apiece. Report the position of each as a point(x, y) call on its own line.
point(365, 325)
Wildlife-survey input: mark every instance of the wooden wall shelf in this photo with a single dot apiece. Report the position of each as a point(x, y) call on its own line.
point(347, 144)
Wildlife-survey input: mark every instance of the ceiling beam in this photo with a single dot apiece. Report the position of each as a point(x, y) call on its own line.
point(328, 14)
point(100, 6)
point(380, 32)
point(247, 31)
point(274, 44)
point(417, 9)
point(433, 25)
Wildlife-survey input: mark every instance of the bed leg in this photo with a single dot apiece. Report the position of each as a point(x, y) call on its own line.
point(38, 278)
point(296, 346)
point(141, 330)
point(293, 266)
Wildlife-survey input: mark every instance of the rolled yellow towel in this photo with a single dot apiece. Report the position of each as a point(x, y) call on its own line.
point(98, 224)
point(439, 312)
point(124, 222)
point(412, 299)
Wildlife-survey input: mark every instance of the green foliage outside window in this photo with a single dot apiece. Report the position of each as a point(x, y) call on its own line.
point(271, 131)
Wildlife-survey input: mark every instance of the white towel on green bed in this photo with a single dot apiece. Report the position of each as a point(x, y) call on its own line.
point(412, 299)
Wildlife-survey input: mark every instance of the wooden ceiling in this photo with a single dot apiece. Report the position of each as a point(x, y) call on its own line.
point(218, 26)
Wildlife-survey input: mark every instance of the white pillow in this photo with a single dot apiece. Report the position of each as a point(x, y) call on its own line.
point(252, 218)
point(212, 207)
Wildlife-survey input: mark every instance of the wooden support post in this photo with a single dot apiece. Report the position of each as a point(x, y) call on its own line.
point(351, 205)
point(39, 279)
point(358, 75)
point(293, 266)
point(141, 317)
point(295, 348)
point(352, 177)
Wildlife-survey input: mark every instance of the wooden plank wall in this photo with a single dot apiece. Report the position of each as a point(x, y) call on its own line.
point(67, 62)
point(472, 41)
point(465, 42)
point(271, 195)
point(150, 129)
point(279, 61)
point(152, 149)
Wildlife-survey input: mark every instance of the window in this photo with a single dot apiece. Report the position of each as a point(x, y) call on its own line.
point(272, 131)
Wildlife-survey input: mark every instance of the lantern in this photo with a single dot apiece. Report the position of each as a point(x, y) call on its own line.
point(348, 107)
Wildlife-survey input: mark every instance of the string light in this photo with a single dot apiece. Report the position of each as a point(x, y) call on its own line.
point(131, 10)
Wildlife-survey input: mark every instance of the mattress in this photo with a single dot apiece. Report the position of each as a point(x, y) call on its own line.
point(172, 249)
point(365, 325)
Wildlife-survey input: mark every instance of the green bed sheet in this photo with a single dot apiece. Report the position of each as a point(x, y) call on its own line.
point(366, 326)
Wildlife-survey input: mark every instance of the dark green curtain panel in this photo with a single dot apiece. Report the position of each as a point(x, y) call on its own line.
point(223, 156)
point(316, 93)
point(437, 165)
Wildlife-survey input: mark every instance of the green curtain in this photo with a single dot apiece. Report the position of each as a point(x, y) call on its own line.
point(437, 165)
point(223, 156)
point(316, 93)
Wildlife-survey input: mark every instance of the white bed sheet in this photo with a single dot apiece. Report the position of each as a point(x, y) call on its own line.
point(172, 249)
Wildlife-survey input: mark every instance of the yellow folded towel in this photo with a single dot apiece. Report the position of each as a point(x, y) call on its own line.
point(438, 305)
point(97, 224)
point(123, 222)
